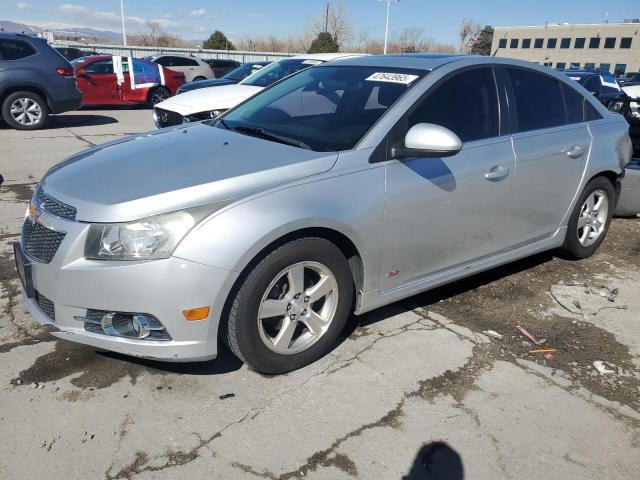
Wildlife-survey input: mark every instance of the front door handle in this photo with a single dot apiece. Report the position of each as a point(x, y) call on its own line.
point(496, 173)
point(575, 152)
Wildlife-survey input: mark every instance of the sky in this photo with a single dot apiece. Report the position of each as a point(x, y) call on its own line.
point(196, 19)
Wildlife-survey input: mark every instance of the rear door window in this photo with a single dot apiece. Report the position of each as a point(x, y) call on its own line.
point(574, 105)
point(538, 100)
point(15, 49)
point(466, 104)
point(164, 61)
point(100, 67)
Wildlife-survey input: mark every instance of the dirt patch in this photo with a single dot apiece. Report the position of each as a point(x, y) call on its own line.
point(22, 192)
point(519, 294)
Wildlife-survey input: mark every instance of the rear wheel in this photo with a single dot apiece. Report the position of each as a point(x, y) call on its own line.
point(590, 219)
point(157, 95)
point(291, 307)
point(197, 79)
point(25, 111)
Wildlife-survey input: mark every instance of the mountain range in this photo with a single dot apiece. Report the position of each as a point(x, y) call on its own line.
point(8, 26)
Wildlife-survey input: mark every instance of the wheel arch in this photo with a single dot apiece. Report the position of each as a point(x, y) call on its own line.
point(614, 178)
point(25, 88)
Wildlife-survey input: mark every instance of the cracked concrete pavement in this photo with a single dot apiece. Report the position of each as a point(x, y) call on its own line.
point(413, 390)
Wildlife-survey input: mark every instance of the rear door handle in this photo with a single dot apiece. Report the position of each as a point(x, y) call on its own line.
point(496, 173)
point(575, 152)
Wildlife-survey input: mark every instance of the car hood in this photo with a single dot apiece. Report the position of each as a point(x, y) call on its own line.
point(633, 91)
point(187, 87)
point(172, 169)
point(210, 98)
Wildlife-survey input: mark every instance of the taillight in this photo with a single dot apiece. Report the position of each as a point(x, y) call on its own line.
point(65, 71)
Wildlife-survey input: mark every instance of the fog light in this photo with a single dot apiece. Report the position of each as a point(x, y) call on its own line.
point(139, 326)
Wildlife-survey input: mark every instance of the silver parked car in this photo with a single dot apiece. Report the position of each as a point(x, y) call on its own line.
point(194, 69)
point(345, 187)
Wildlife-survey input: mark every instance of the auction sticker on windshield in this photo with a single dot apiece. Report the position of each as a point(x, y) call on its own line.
point(403, 78)
point(312, 62)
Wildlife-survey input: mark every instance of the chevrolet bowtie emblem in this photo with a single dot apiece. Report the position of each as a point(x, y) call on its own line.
point(34, 212)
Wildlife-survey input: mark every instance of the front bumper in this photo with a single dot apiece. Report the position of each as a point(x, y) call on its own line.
point(162, 288)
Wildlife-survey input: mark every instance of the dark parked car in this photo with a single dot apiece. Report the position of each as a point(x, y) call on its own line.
point(234, 76)
point(222, 67)
point(602, 85)
point(70, 53)
point(35, 80)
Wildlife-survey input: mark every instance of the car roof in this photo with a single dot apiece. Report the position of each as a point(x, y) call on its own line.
point(423, 61)
point(325, 57)
point(20, 36)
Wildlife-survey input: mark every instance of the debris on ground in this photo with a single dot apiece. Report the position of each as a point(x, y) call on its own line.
point(492, 334)
point(604, 367)
point(549, 356)
point(543, 350)
point(227, 395)
point(582, 299)
point(527, 334)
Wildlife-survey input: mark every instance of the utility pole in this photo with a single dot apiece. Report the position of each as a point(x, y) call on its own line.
point(124, 32)
point(386, 27)
point(326, 19)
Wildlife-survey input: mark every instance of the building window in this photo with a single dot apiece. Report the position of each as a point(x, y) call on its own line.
point(526, 43)
point(502, 43)
point(565, 43)
point(560, 66)
point(574, 66)
point(605, 67)
point(620, 69)
point(589, 66)
point(551, 42)
point(579, 43)
point(594, 42)
point(610, 42)
point(514, 43)
point(538, 43)
point(625, 42)
point(548, 64)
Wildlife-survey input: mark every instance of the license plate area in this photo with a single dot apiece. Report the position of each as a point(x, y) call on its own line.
point(23, 266)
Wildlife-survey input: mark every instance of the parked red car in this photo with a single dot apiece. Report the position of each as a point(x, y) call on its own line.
point(107, 80)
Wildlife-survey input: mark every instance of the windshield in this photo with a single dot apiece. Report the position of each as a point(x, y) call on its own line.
point(243, 71)
point(277, 71)
point(328, 108)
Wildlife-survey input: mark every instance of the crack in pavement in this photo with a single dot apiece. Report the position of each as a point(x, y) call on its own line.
point(81, 138)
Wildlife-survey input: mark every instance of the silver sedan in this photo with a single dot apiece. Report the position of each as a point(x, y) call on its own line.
point(345, 187)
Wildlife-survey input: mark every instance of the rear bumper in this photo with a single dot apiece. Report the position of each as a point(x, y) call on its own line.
point(66, 105)
point(629, 201)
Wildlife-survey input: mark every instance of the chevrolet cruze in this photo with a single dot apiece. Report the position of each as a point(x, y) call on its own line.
point(345, 187)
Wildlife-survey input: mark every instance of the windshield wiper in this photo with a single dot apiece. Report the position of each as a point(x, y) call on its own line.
point(270, 136)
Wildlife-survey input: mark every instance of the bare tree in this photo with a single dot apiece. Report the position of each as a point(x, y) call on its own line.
point(408, 39)
point(337, 23)
point(467, 28)
point(156, 37)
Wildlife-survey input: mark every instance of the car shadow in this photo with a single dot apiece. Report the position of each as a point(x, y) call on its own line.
point(69, 121)
point(225, 362)
point(436, 461)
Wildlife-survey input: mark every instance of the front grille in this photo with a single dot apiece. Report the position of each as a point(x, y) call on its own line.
point(167, 118)
point(46, 305)
point(39, 241)
point(53, 206)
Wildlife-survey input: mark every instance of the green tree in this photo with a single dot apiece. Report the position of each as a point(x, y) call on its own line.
point(324, 43)
point(218, 41)
point(483, 45)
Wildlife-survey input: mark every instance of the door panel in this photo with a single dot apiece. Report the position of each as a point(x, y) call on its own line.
point(549, 167)
point(442, 212)
point(100, 85)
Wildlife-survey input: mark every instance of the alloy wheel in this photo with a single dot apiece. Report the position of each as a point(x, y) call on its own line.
point(593, 218)
point(26, 111)
point(297, 307)
point(159, 95)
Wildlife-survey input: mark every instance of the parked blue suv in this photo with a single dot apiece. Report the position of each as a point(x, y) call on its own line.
point(35, 80)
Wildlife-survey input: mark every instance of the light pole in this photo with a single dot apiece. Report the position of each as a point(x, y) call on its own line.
point(124, 32)
point(386, 27)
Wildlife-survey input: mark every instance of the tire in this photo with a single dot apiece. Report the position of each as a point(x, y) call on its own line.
point(254, 341)
point(158, 95)
point(583, 242)
point(31, 113)
point(197, 79)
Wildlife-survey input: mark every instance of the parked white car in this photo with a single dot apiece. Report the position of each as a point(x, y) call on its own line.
point(211, 102)
point(634, 92)
point(193, 68)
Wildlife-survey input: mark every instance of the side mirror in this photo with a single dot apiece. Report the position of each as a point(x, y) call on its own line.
point(428, 140)
point(83, 73)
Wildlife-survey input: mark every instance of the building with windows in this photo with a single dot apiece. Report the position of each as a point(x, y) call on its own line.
point(614, 47)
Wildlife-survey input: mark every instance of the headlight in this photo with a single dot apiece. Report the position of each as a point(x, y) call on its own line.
point(147, 239)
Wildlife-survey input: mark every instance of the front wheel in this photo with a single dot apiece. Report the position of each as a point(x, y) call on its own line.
point(291, 307)
point(157, 95)
point(590, 219)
